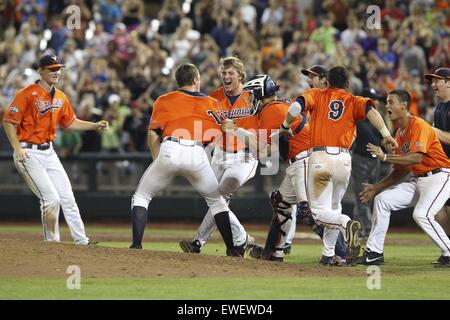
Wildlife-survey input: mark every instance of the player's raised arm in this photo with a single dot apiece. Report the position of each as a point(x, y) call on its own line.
point(377, 121)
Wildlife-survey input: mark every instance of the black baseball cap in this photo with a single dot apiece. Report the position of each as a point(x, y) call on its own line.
point(441, 73)
point(50, 61)
point(317, 70)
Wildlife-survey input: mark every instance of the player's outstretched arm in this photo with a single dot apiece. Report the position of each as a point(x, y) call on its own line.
point(443, 136)
point(371, 190)
point(82, 125)
point(11, 132)
point(377, 121)
point(154, 143)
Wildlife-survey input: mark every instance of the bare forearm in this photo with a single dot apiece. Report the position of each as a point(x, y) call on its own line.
point(154, 143)
point(405, 159)
point(393, 178)
point(443, 136)
point(11, 133)
point(82, 125)
point(377, 121)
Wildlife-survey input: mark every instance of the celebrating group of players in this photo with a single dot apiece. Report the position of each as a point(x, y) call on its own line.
point(246, 122)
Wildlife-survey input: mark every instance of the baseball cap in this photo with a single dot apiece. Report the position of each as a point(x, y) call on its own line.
point(50, 61)
point(317, 70)
point(441, 73)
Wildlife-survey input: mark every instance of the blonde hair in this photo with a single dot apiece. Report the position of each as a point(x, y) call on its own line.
point(236, 63)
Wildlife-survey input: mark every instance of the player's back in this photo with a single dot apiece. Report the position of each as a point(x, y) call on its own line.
point(334, 113)
point(272, 116)
point(187, 115)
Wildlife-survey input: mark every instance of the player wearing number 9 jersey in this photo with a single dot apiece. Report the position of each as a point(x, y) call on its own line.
point(334, 113)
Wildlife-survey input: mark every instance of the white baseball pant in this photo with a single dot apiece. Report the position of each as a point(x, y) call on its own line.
point(47, 179)
point(328, 178)
point(293, 188)
point(183, 158)
point(426, 194)
point(232, 171)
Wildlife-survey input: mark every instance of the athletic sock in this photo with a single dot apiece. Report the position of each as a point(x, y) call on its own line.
point(138, 221)
point(223, 224)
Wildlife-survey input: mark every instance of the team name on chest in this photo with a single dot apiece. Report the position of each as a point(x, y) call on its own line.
point(44, 106)
point(236, 113)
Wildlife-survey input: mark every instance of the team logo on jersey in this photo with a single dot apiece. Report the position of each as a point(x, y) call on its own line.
point(13, 109)
point(405, 147)
point(237, 113)
point(45, 106)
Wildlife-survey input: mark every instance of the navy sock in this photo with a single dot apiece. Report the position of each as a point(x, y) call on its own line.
point(223, 224)
point(138, 221)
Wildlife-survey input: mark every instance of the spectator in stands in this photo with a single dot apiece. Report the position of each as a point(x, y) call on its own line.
point(110, 13)
point(133, 13)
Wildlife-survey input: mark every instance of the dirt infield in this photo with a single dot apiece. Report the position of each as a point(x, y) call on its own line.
point(31, 258)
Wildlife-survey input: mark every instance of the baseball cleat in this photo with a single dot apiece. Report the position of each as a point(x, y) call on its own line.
point(369, 258)
point(287, 249)
point(439, 260)
point(256, 251)
point(236, 252)
point(334, 261)
point(136, 246)
point(190, 247)
point(443, 263)
point(352, 236)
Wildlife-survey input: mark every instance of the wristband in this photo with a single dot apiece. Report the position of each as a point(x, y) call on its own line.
point(385, 132)
point(285, 127)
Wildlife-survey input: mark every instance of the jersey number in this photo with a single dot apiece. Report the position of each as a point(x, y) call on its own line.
point(336, 110)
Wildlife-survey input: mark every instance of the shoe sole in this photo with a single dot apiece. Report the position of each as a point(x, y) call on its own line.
point(186, 246)
point(354, 246)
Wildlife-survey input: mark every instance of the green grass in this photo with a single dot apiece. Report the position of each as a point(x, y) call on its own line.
point(408, 274)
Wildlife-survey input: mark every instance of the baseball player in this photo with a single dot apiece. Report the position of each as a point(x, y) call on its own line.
point(180, 125)
point(317, 78)
point(30, 124)
point(232, 162)
point(440, 83)
point(427, 191)
point(270, 112)
point(334, 113)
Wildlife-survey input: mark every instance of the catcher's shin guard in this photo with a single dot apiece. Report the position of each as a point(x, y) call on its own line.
point(279, 226)
point(138, 221)
point(304, 213)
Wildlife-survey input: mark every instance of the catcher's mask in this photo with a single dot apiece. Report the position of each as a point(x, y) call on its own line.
point(262, 86)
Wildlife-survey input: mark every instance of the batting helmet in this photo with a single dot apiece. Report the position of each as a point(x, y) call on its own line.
point(262, 86)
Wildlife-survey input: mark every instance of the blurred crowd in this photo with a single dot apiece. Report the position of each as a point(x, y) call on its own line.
point(121, 56)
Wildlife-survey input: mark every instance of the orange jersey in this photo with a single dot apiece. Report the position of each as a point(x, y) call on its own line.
point(272, 116)
point(187, 115)
point(36, 113)
point(240, 113)
point(218, 94)
point(419, 136)
point(334, 113)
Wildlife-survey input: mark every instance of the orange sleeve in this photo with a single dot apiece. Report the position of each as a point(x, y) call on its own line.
point(310, 97)
point(67, 114)
point(157, 120)
point(421, 139)
point(360, 106)
point(17, 108)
